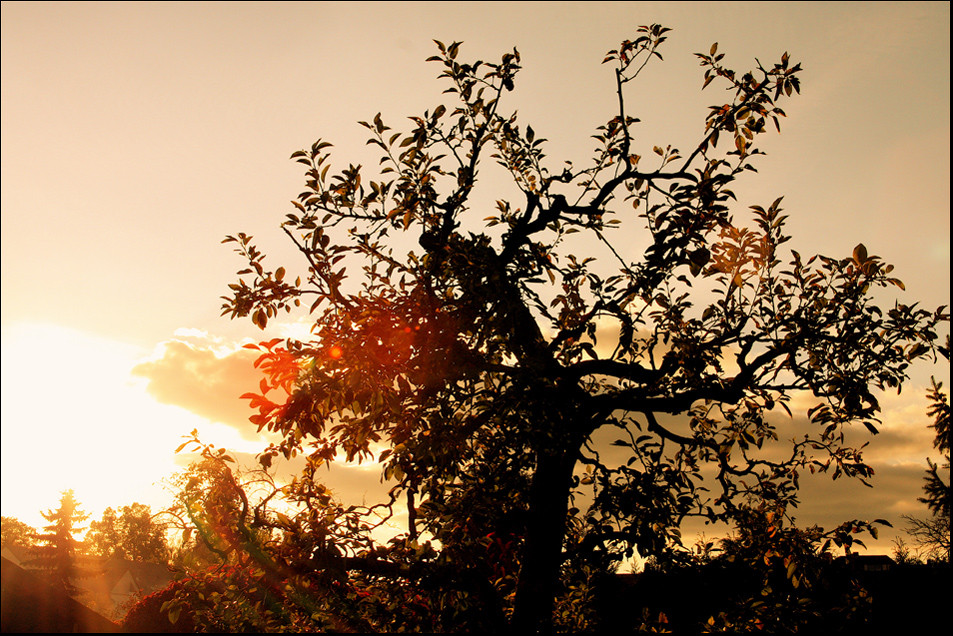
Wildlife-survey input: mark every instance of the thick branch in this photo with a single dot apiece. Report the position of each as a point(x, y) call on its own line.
point(635, 399)
point(614, 368)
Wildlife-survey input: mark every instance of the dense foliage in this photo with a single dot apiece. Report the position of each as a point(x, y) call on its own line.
point(131, 534)
point(16, 533)
point(478, 358)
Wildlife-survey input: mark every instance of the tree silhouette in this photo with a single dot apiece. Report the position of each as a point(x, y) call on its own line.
point(932, 535)
point(132, 534)
point(207, 511)
point(57, 549)
point(17, 533)
point(480, 355)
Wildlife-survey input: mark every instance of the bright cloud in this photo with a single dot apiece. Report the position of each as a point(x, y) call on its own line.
point(85, 412)
point(206, 379)
point(73, 418)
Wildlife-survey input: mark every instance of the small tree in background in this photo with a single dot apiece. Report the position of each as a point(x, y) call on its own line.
point(17, 534)
point(132, 534)
point(57, 551)
point(932, 535)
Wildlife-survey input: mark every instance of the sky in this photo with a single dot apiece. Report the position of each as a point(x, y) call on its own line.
point(135, 136)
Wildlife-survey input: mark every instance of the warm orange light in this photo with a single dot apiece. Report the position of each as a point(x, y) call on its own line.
point(335, 352)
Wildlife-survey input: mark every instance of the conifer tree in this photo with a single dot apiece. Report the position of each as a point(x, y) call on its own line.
point(932, 535)
point(57, 550)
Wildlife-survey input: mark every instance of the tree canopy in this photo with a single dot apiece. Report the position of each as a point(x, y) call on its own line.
point(479, 354)
point(131, 534)
point(17, 533)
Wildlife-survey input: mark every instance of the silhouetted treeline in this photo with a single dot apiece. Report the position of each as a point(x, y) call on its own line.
point(845, 598)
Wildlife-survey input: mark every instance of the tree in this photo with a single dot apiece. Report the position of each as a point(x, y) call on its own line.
point(132, 534)
point(781, 578)
point(250, 568)
point(485, 356)
point(57, 552)
point(768, 575)
point(211, 511)
point(17, 533)
point(932, 535)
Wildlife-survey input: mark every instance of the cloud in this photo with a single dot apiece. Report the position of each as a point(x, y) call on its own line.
point(897, 454)
point(204, 380)
point(206, 376)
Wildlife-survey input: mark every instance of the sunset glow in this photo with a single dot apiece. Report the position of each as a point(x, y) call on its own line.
point(73, 417)
point(136, 136)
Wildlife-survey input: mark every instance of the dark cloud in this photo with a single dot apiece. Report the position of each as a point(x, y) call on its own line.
point(893, 493)
point(197, 379)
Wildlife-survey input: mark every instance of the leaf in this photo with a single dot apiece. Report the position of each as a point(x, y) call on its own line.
point(860, 253)
point(741, 143)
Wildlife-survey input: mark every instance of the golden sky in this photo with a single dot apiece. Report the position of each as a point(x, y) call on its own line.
point(136, 136)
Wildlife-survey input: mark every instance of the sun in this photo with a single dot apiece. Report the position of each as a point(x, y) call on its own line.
point(74, 418)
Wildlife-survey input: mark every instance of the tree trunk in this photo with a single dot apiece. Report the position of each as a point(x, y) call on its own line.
point(539, 571)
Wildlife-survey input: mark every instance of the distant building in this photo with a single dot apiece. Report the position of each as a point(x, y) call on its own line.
point(114, 583)
point(16, 554)
point(869, 562)
point(119, 582)
point(31, 605)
